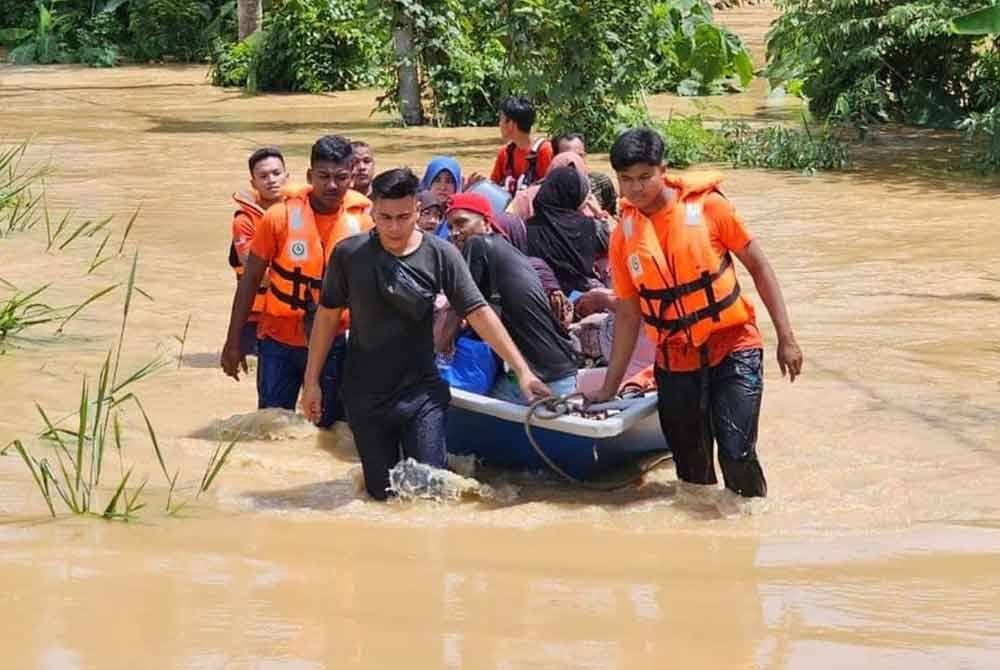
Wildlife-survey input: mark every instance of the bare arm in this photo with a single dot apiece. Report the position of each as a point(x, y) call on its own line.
point(628, 320)
point(487, 324)
point(324, 330)
point(246, 291)
point(789, 354)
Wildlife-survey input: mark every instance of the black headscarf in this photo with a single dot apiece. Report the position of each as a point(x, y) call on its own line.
point(562, 236)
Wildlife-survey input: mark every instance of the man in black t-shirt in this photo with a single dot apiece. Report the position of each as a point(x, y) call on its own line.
point(388, 278)
point(511, 285)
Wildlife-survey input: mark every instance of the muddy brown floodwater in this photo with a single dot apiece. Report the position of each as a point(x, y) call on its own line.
point(878, 548)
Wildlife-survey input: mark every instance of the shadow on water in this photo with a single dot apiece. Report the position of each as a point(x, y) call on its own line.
point(201, 361)
point(320, 496)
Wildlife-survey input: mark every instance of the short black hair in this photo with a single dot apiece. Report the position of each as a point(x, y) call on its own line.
point(395, 184)
point(637, 146)
point(360, 144)
point(520, 111)
point(566, 137)
point(331, 148)
point(264, 153)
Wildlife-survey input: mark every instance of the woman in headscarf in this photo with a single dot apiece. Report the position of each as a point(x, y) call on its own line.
point(561, 235)
point(443, 177)
point(523, 203)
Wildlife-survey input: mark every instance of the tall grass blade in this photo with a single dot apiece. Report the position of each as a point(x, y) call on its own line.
point(82, 306)
point(101, 225)
point(216, 463)
point(109, 511)
point(97, 262)
point(183, 340)
point(48, 219)
point(7, 284)
point(53, 433)
point(130, 501)
point(59, 228)
point(143, 372)
point(42, 488)
point(125, 310)
point(128, 229)
point(81, 229)
point(82, 430)
point(71, 501)
point(152, 437)
point(170, 491)
point(99, 430)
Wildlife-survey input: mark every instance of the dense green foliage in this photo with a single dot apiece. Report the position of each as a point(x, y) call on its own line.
point(587, 63)
point(868, 60)
point(460, 53)
point(101, 32)
point(306, 45)
point(865, 61)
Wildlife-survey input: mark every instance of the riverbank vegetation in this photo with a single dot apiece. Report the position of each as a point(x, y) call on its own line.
point(862, 63)
point(588, 65)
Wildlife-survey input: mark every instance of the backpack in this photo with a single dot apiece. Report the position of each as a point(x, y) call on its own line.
point(530, 175)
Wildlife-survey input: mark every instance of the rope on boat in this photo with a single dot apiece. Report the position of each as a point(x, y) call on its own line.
point(557, 406)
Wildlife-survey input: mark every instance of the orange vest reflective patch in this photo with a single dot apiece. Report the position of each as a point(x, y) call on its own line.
point(296, 272)
point(686, 290)
point(248, 206)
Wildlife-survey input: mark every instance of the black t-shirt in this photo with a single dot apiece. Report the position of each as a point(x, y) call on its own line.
point(507, 279)
point(389, 352)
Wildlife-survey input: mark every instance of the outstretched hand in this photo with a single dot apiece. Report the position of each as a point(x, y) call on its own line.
point(790, 358)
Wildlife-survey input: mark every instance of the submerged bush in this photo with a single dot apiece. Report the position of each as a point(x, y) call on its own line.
point(805, 149)
point(983, 132)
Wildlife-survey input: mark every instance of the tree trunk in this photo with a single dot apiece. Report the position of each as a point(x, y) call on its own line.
point(248, 13)
point(410, 106)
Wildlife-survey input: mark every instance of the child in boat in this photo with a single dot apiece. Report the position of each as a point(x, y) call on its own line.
point(671, 261)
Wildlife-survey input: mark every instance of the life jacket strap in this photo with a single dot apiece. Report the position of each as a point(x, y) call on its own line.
point(703, 283)
point(302, 287)
point(711, 311)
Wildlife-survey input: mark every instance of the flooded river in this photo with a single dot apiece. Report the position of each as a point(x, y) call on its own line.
point(878, 548)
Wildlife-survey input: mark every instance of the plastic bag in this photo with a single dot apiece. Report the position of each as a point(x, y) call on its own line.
point(473, 367)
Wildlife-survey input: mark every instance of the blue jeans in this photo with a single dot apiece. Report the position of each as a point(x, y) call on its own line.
point(281, 369)
point(507, 389)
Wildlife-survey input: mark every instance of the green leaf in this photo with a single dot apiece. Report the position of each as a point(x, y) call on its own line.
point(10, 36)
point(985, 21)
point(744, 67)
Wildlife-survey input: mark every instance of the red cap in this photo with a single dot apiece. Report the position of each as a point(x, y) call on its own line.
point(472, 202)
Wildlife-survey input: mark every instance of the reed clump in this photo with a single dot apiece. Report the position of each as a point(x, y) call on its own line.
point(69, 475)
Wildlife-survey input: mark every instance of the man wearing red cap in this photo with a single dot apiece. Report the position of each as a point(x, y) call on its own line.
point(512, 287)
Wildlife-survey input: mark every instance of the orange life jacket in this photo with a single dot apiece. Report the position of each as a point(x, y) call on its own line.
point(247, 204)
point(296, 272)
point(687, 291)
